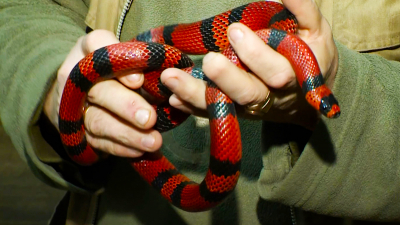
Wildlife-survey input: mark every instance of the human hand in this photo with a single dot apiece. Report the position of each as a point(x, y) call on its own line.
point(272, 71)
point(119, 121)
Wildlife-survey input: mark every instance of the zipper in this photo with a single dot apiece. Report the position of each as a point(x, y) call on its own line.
point(127, 6)
point(95, 211)
point(293, 215)
point(293, 158)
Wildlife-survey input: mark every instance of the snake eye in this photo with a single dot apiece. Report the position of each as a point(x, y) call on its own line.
point(325, 106)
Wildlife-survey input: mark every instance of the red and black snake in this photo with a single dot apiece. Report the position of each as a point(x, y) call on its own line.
point(152, 52)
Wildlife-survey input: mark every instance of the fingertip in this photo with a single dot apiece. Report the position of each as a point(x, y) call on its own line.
point(236, 33)
point(215, 64)
point(239, 26)
point(175, 102)
point(157, 141)
point(132, 81)
point(209, 57)
point(171, 78)
point(151, 142)
point(148, 141)
point(185, 88)
point(169, 72)
point(172, 73)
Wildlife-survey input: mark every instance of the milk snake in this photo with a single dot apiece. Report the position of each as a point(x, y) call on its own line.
point(152, 52)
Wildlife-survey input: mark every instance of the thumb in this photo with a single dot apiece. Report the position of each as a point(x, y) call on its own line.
point(306, 12)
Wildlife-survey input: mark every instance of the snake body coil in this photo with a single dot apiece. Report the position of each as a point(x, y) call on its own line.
point(195, 38)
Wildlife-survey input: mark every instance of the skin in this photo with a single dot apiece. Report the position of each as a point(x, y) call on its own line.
point(267, 75)
point(119, 120)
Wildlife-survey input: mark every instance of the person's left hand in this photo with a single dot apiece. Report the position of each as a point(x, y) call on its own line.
point(270, 71)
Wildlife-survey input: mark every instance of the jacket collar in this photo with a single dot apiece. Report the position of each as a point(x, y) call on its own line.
point(107, 14)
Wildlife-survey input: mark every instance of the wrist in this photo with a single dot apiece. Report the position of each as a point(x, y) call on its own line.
point(50, 108)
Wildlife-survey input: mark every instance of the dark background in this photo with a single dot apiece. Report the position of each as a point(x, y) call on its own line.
point(24, 199)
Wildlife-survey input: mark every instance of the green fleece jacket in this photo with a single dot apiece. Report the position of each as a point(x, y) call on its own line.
point(348, 167)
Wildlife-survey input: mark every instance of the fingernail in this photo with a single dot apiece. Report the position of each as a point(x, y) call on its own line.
point(133, 77)
point(172, 83)
point(148, 141)
point(142, 116)
point(173, 100)
point(235, 35)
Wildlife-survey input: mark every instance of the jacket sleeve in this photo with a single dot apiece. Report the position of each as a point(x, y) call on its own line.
point(350, 165)
point(35, 38)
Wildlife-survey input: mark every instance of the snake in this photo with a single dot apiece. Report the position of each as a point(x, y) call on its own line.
point(167, 46)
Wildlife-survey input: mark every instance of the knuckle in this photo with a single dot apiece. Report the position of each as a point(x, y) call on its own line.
point(215, 67)
point(123, 137)
point(282, 78)
point(99, 92)
point(190, 91)
point(97, 39)
point(94, 142)
point(93, 36)
point(95, 92)
point(248, 95)
point(112, 148)
point(191, 96)
point(93, 123)
point(251, 54)
point(89, 38)
point(63, 73)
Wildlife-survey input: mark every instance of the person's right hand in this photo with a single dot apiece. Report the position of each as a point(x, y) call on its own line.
point(119, 120)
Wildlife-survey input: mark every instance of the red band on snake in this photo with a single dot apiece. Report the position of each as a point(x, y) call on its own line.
point(195, 38)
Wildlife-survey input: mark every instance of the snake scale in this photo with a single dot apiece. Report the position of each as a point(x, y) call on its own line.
point(152, 52)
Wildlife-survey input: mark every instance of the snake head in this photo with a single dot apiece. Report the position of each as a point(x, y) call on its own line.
point(329, 107)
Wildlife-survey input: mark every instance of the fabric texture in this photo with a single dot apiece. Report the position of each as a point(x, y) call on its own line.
point(365, 26)
point(36, 37)
point(105, 14)
point(353, 171)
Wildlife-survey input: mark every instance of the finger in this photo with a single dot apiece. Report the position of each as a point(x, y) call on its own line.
point(185, 87)
point(100, 38)
point(111, 147)
point(133, 81)
point(124, 103)
point(316, 32)
point(186, 107)
point(306, 13)
point(86, 44)
point(270, 66)
point(114, 135)
point(240, 86)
